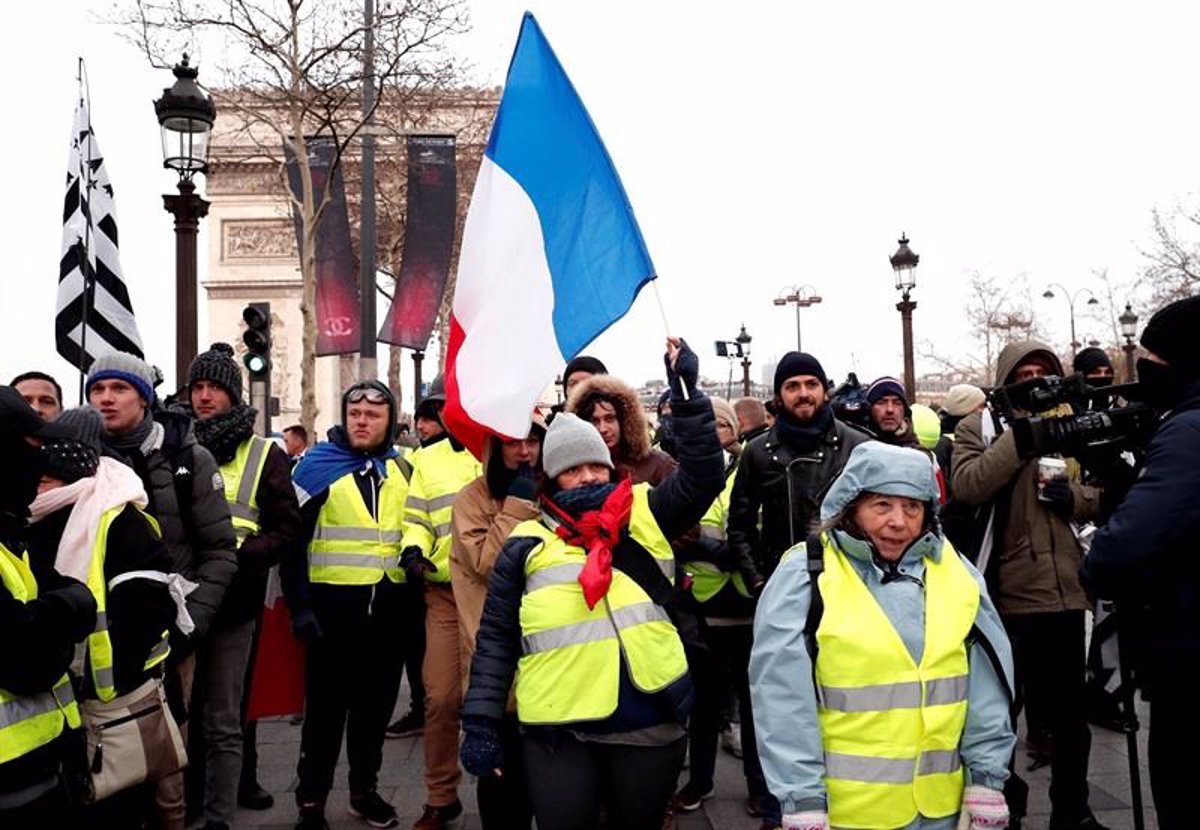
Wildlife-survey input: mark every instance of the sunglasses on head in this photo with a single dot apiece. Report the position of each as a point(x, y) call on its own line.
point(365, 393)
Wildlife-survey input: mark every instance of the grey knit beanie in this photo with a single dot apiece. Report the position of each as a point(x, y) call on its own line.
point(570, 442)
point(723, 411)
point(70, 459)
point(124, 366)
point(217, 365)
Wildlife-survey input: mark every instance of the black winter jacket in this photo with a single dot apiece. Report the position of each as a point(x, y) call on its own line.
point(677, 504)
point(199, 539)
point(1147, 551)
point(138, 610)
point(762, 485)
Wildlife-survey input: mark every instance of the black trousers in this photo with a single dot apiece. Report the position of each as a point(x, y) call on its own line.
point(571, 780)
point(1174, 737)
point(1048, 653)
point(351, 681)
point(504, 802)
point(726, 664)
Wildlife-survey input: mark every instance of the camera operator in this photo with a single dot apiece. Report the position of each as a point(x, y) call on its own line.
point(1031, 561)
point(1143, 555)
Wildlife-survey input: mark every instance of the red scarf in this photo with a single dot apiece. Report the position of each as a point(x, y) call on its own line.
point(596, 531)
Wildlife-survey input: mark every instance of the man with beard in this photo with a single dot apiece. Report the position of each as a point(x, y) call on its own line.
point(266, 521)
point(784, 474)
point(890, 416)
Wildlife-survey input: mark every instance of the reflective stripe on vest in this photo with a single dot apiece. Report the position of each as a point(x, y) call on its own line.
point(570, 667)
point(886, 721)
point(242, 475)
point(28, 722)
point(348, 546)
point(439, 472)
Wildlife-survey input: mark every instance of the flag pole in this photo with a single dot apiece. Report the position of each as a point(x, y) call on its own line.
point(662, 310)
point(84, 245)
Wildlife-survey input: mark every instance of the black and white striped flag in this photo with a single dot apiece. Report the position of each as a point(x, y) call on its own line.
point(90, 285)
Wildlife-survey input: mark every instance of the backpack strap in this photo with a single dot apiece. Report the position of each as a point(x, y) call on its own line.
point(976, 637)
point(816, 605)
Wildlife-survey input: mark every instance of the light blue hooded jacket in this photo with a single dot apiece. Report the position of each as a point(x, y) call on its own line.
point(781, 673)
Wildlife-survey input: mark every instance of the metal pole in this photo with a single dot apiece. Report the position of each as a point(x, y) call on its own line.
point(188, 209)
point(746, 376)
point(1130, 364)
point(418, 356)
point(367, 363)
point(905, 307)
point(799, 348)
point(1074, 345)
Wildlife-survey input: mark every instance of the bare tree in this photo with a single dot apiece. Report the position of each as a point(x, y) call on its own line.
point(293, 70)
point(1172, 268)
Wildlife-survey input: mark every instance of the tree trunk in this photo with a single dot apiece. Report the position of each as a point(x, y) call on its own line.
point(393, 376)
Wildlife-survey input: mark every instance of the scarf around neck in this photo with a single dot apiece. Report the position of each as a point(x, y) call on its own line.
point(128, 443)
point(601, 514)
point(804, 435)
point(223, 434)
point(328, 461)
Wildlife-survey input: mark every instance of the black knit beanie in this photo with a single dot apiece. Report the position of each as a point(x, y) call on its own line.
point(584, 363)
point(1171, 334)
point(1091, 359)
point(798, 363)
point(70, 459)
point(217, 365)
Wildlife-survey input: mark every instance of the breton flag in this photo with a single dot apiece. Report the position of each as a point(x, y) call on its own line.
point(551, 252)
point(90, 285)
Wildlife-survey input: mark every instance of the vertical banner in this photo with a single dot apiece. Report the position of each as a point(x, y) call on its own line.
point(428, 242)
point(338, 307)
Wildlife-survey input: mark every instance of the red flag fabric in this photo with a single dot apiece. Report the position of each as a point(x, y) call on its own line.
point(277, 681)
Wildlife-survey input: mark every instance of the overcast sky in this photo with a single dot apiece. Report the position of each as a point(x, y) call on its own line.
point(761, 144)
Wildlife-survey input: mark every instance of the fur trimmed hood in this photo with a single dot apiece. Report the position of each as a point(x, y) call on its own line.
point(635, 430)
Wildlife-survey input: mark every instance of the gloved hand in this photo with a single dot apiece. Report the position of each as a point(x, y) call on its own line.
point(1057, 496)
point(808, 820)
point(983, 809)
point(482, 753)
point(415, 563)
point(524, 486)
point(683, 368)
point(305, 625)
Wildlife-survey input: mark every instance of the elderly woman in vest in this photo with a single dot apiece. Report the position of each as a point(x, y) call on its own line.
point(87, 523)
point(903, 720)
point(578, 601)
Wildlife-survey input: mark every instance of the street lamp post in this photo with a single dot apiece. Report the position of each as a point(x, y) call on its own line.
point(743, 339)
point(801, 296)
point(1128, 321)
point(904, 264)
point(1071, 298)
point(185, 116)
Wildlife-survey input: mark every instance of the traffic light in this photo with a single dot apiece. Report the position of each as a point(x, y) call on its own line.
point(257, 339)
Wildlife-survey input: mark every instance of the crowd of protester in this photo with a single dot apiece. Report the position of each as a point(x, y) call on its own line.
point(855, 594)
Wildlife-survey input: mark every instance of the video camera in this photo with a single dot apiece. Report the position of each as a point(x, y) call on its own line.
point(1091, 430)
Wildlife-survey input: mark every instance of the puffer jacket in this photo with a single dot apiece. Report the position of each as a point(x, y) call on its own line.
point(1036, 562)
point(762, 485)
point(634, 456)
point(1146, 551)
point(677, 505)
point(200, 537)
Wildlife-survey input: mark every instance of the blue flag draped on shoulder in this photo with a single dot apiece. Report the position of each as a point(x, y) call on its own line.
point(551, 253)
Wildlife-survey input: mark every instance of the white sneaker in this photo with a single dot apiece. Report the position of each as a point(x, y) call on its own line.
point(731, 739)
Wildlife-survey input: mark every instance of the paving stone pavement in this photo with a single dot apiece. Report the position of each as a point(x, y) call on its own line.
point(403, 764)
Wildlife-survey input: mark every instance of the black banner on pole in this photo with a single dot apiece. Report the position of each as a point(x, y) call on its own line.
point(428, 242)
point(338, 307)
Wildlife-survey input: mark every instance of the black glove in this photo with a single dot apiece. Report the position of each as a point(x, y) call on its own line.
point(524, 486)
point(1057, 495)
point(685, 373)
point(305, 626)
point(482, 752)
point(415, 563)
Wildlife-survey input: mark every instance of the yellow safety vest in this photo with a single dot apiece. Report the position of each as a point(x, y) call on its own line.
point(891, 728)
point(99, 644)
point(349, 546)
point(242, 474)
point(707, 579)
point(439, 472)
point(28, 722)
point(569, 670)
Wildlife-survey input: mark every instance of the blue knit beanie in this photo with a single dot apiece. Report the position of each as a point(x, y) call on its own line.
point(123, 366)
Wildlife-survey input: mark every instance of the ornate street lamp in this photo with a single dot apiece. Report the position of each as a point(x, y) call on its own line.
point(1129, 321)
point(802, 296)
point(1071, 298)
point(185, 117)
point(904, 265)
point(743, 339)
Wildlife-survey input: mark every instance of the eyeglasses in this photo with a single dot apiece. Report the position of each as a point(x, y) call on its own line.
point(366, 393)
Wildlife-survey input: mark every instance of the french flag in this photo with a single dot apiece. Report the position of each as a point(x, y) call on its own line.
point(551, 253)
